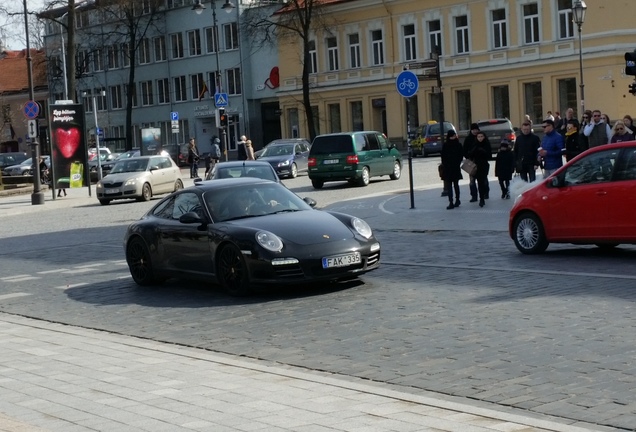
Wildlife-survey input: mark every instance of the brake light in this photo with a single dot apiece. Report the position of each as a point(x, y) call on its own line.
point(511, 137)
point(311, 161)
point(352, 159)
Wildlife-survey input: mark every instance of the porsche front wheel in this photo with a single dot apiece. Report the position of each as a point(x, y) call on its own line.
point(232, 271)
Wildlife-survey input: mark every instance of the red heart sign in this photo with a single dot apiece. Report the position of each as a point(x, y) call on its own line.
point(67, 140)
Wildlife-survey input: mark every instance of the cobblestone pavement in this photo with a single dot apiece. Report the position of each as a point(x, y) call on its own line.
point(454, 309)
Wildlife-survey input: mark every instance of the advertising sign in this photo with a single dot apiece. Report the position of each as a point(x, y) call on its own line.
point(69, 152)
point(150, 141)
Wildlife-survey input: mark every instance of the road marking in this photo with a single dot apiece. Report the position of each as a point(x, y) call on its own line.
point(89, 265)
point(13, 277)
point(13, 295)
point(124, 277)
point(119, 262)
point(52, 271)
point(19, 278)
point(80, 270)
point(71, 285)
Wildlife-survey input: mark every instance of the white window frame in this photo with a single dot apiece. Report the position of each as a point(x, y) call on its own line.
point(180, 89)
point(377, 47)
point(212, 39)
point(98, 60)
point(230, 36)
point(101, 101)
point(434, 35)
point(462, 42)
point(116, 100)
point(332, 54)
point(233, 81)
point(114, 57)
point(176, 46)
point(163, 91)
point(194, 42)
point(125, 60)
point(409, 42)
point(566, 20)
point(87, 100)
point(531, 23)
point(354, 50)
point(147, 93)
point(144, 51)
point(499, 29)
point(313, 57)
point(161, 51)
point(196, 85)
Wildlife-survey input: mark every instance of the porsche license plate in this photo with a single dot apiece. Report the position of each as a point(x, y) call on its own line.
point(330, 161)
point(341, 260)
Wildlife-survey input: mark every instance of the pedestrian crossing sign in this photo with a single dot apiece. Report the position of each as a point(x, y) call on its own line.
point(220, 99)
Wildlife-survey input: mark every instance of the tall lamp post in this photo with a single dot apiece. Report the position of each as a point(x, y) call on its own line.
point(218, 85)
point(99, 160)
point(578, 14)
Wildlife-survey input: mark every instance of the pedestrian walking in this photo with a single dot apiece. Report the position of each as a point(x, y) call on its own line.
point(526, 153)
point(620, 133)
point(216, 151)
point(249, 150)
point(551, 149)
point(193, 158)
point(572, 140)
point(504, 168)
point(469, 145)
point(480, 155)
point(241, 150)
point(451, 173)
point(597, 131)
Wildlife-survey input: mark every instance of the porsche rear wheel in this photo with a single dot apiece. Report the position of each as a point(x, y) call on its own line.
point(139, 263)
point(232, 271)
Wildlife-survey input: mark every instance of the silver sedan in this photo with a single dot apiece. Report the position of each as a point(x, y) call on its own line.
point(140, 178)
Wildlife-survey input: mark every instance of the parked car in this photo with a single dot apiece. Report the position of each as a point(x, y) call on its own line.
point(25, 168)
point(353, 156)
point(245, 232)
point(247, 168)
point(106, 162)
point(498, 130)
point(141, 178)
point(257, 153)
point(92, 152)
point(590, 200)
point(427, 138)
point(287, 158)
point(11, 158)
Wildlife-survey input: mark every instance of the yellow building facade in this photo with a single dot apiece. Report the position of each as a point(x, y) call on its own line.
point(499, 58)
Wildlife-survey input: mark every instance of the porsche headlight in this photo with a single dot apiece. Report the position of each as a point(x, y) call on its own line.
point(283, 163)
point(269, 241)
point(361, 227)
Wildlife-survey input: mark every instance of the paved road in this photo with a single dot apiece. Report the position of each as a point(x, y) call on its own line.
point(454, 308)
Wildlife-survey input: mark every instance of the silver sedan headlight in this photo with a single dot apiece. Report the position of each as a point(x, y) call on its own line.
point(361, 227)
point(283, 163)
point(130, 182)
point(269, 241)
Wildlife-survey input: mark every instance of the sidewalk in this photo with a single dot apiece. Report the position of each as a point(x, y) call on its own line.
point(61, 378)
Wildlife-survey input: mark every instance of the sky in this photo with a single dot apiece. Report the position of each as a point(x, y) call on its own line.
point(12, 28)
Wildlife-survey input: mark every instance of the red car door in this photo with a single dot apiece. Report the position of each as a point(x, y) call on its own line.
point(622, 213)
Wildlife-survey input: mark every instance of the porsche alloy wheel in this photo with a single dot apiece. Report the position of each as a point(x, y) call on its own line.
point(529, 236)
point(232, 271)
point(138, 259)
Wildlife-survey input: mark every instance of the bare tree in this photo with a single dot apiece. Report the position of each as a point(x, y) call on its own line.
point(12, 27)
point(296, 19)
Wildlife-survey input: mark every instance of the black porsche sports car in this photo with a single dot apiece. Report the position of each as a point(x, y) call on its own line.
point(247, 231)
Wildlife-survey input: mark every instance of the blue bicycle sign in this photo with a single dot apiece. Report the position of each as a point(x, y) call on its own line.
point(407, 83)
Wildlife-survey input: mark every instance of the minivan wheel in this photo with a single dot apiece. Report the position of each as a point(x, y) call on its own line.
point(397, 171)
point(529, 236)
point(364, 178)
point(317, 184)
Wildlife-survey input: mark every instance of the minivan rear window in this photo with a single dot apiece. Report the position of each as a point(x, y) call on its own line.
point(331, 144)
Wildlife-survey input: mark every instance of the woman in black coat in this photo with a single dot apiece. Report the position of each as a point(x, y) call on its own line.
point(452, 156)
point(480, 155)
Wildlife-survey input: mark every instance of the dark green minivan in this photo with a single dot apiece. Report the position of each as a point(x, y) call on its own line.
point(352, 156)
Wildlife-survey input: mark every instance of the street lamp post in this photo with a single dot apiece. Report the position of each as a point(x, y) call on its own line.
point(218, 85)
point(37, 197)
point(578, 14)
point(99, 161)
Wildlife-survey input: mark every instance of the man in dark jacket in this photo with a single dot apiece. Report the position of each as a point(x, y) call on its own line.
point(527, 153)
point(452, 156)
point(469, 146)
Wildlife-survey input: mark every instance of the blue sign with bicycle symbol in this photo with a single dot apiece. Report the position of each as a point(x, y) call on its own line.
point(407, 84)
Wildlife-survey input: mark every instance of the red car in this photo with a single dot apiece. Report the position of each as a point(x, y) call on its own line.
point(590, 200)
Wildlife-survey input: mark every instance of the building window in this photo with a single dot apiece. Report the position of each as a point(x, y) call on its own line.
point(132, 88)
point(566, 25)
point(213, 79)
point(163, 91)
point(83, 62)
point(125, 55)
point(98, 60)
point(354, 51)
point(377, 46)
point(464, 112)
point(533, 101)
point(357, 123)
point(176, 44)
point(313, 57)
point(499, 30)
point(501, 101)
point(332, 54)
point(334, 118)
point(144, 51)
point(174, 4)
point(233, 81)
point(567, 95)
point(531, 23)
point(212, 39)
point(435, 35)
point(408, 32)
point(145, 7)
point(180, 93)
point(160, 48)
point(116, 101)
point(87, 100)
point(114, 57)
point(230, 33)
point(146, 93)
point(461, 34)
point(194, 42)
point(81, 19)
point(197, 85)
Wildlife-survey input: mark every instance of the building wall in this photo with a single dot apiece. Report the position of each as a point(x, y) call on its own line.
point(549, 59)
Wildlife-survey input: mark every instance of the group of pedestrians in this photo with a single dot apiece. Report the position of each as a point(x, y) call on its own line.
point(245, 150)
point(210, 158)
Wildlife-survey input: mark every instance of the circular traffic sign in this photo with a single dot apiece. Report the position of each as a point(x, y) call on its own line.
point(407, 83)
point(31, 109)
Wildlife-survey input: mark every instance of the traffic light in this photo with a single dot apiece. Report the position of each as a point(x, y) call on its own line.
point(630, 63)
point(632, 88)
point(222, 118)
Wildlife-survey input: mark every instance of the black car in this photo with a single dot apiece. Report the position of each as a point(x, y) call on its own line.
point(244, 232)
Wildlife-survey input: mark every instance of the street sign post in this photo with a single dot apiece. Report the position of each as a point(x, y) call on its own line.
point(426, 64)
point(220, 99)
point(31, 109)
point(407, 85)
point(32, 126)
point(174, 116)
